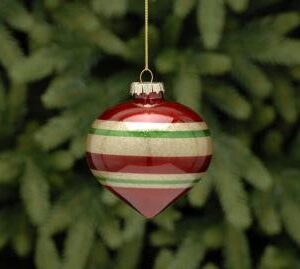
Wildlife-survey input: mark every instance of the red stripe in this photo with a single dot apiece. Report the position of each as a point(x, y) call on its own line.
point(149, 202)
point(148, 165)
point(166, 112)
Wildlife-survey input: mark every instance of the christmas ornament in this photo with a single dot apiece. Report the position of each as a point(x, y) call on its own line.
point(148, 151)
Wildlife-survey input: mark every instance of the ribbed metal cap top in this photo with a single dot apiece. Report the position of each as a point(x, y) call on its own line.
point(146, 87)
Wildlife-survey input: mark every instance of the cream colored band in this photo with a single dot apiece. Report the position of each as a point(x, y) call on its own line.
point(147, 186)
point(136, 176)
point(150, 126)
point(159, 147)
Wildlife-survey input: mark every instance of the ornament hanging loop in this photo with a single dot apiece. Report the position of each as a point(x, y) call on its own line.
point(148, 71)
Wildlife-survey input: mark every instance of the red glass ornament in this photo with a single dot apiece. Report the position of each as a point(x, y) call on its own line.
point(148, 151)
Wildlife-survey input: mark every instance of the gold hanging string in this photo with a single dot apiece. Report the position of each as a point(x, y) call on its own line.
point(146, 69)
point(146, 34)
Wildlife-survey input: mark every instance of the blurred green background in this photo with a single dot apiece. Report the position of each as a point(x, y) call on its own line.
point(237, 62)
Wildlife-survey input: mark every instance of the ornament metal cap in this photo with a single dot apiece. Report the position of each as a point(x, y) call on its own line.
point(146, 87)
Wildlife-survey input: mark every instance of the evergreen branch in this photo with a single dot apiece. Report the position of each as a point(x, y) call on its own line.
point(79, 18)
point(10, 52)
point(163, 259)
point(236, 251)
point(167, 219)
point(61, 160)
point(285, 99)
point(38, 65)
point(266, 213)
point(3, 101)
point(41, 34)
point(109, 42)
point(133, 53)
point(10, 167)
point(167, 61)
point(162, 238)
point(35, 193)
point(77, 146)
point(132, 229)
point(290, 212)
point(64, 91)
point(228, 100)
point(213, 236)
point(284, 53)
point(252, 77)
point(209, 63)
point(209, 266)
point(187, 87)
point(99, 257)
point(171, 38)
point(58, 220)
point(22, 240)
point(129, 254)
point(52, 4)
point(238, 5)
point(182, 8)
point(295, 153)
point(245, 163)
point(6, 224)
point(264, 116)
point(69, 207)
point(46, 255)
point(16, 105)
point(16, 15)
point(290, 181)
point(110, 231)
point(279, 25)
point(78, 244)
point(295, 72)
point(200, 193)
point(74, 55)
point(57, 131)
point(211, 20)
point(273, 142)
point(231, 194)
point(277, 258)
point(190, 253)
point(250, 42)
point(264, 39)
point(115, 85)
point(116, 8)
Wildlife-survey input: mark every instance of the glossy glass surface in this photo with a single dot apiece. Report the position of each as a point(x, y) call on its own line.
point(146, 143)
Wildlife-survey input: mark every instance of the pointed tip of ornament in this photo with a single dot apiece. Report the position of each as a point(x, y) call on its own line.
point(149, 202)
point(151, 214)
point(149, 217)
point(138, 88)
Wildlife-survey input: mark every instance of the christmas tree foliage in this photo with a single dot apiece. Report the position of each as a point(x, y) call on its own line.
point(64, 62)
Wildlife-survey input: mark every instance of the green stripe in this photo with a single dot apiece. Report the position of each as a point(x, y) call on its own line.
point(151, 134)
point(154, 182)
